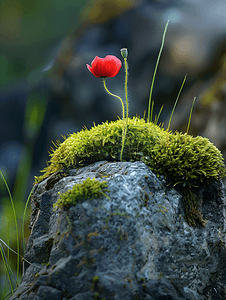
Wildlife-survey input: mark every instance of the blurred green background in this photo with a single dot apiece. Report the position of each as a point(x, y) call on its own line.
point(30, 31)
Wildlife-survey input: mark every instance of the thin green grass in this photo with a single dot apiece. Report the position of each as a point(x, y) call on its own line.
point(7, 268)
point(178, 96)
point(151, 102)
point(152, 107)
point(34, 116)
point(8, 239)
point(10, 277)
point(25, 210)
point(1, 241)
point(157, 118)
point(16, 225)
point(189, 121)
point(156, 67)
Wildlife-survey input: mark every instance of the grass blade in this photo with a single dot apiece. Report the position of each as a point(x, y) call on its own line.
point(15, 252)
point(7, 267)
point(189, 121)
point(25, 209)
point(159, 115)
point(176, 102)
point(156, 67)
point(152, 108)
point(15, 219)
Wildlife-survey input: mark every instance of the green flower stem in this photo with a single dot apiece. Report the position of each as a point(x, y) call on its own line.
point(123, 109)
point(123, 117)
point(156, 67)
point(127, 103)
point(126, 88)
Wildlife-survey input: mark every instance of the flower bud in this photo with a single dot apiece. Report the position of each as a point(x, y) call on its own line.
point(124, 52)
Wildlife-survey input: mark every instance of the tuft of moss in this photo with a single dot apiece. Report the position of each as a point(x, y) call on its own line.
point(102, 142)
point(177, 155)
point(95, 279)
point(144, 287)
point(89, 188)
point(182, 158)
point(96, 295)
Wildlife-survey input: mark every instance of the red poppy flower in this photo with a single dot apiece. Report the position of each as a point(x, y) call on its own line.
point(105, 67)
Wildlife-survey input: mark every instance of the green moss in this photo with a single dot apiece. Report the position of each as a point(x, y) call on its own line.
point(95, 280)
point(180, 157)
point(102, 142)
point(89, 188)
point(96, 295)
point(144, 287)
point(184, 158)
point(53, 267)
point(49, 244)
point(142, 279)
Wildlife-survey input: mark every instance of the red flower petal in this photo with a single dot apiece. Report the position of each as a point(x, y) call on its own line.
point(105, 67)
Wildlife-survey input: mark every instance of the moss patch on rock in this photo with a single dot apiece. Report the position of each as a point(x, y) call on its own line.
point(177, 155)
point(182, 158)
point(89, 188)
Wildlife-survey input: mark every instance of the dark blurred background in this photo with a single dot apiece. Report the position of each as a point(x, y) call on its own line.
point(46, 90)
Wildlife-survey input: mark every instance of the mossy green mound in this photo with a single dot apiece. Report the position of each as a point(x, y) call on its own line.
point(182, 158)
point(176, 155)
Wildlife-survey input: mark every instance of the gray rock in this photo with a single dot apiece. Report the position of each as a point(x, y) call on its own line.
point(137, 243)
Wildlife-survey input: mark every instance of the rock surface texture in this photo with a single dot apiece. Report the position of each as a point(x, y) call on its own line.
point(135, 245)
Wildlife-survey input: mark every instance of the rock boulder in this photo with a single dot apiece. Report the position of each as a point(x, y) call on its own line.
point(133, 244)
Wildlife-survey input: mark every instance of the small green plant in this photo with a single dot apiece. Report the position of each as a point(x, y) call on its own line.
point(10, 275)
point(16, 225)
point(151, 103)
point(95, 280)
point(96, 295)
point(16, 217)
point(176, 102)
point(89, 188)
